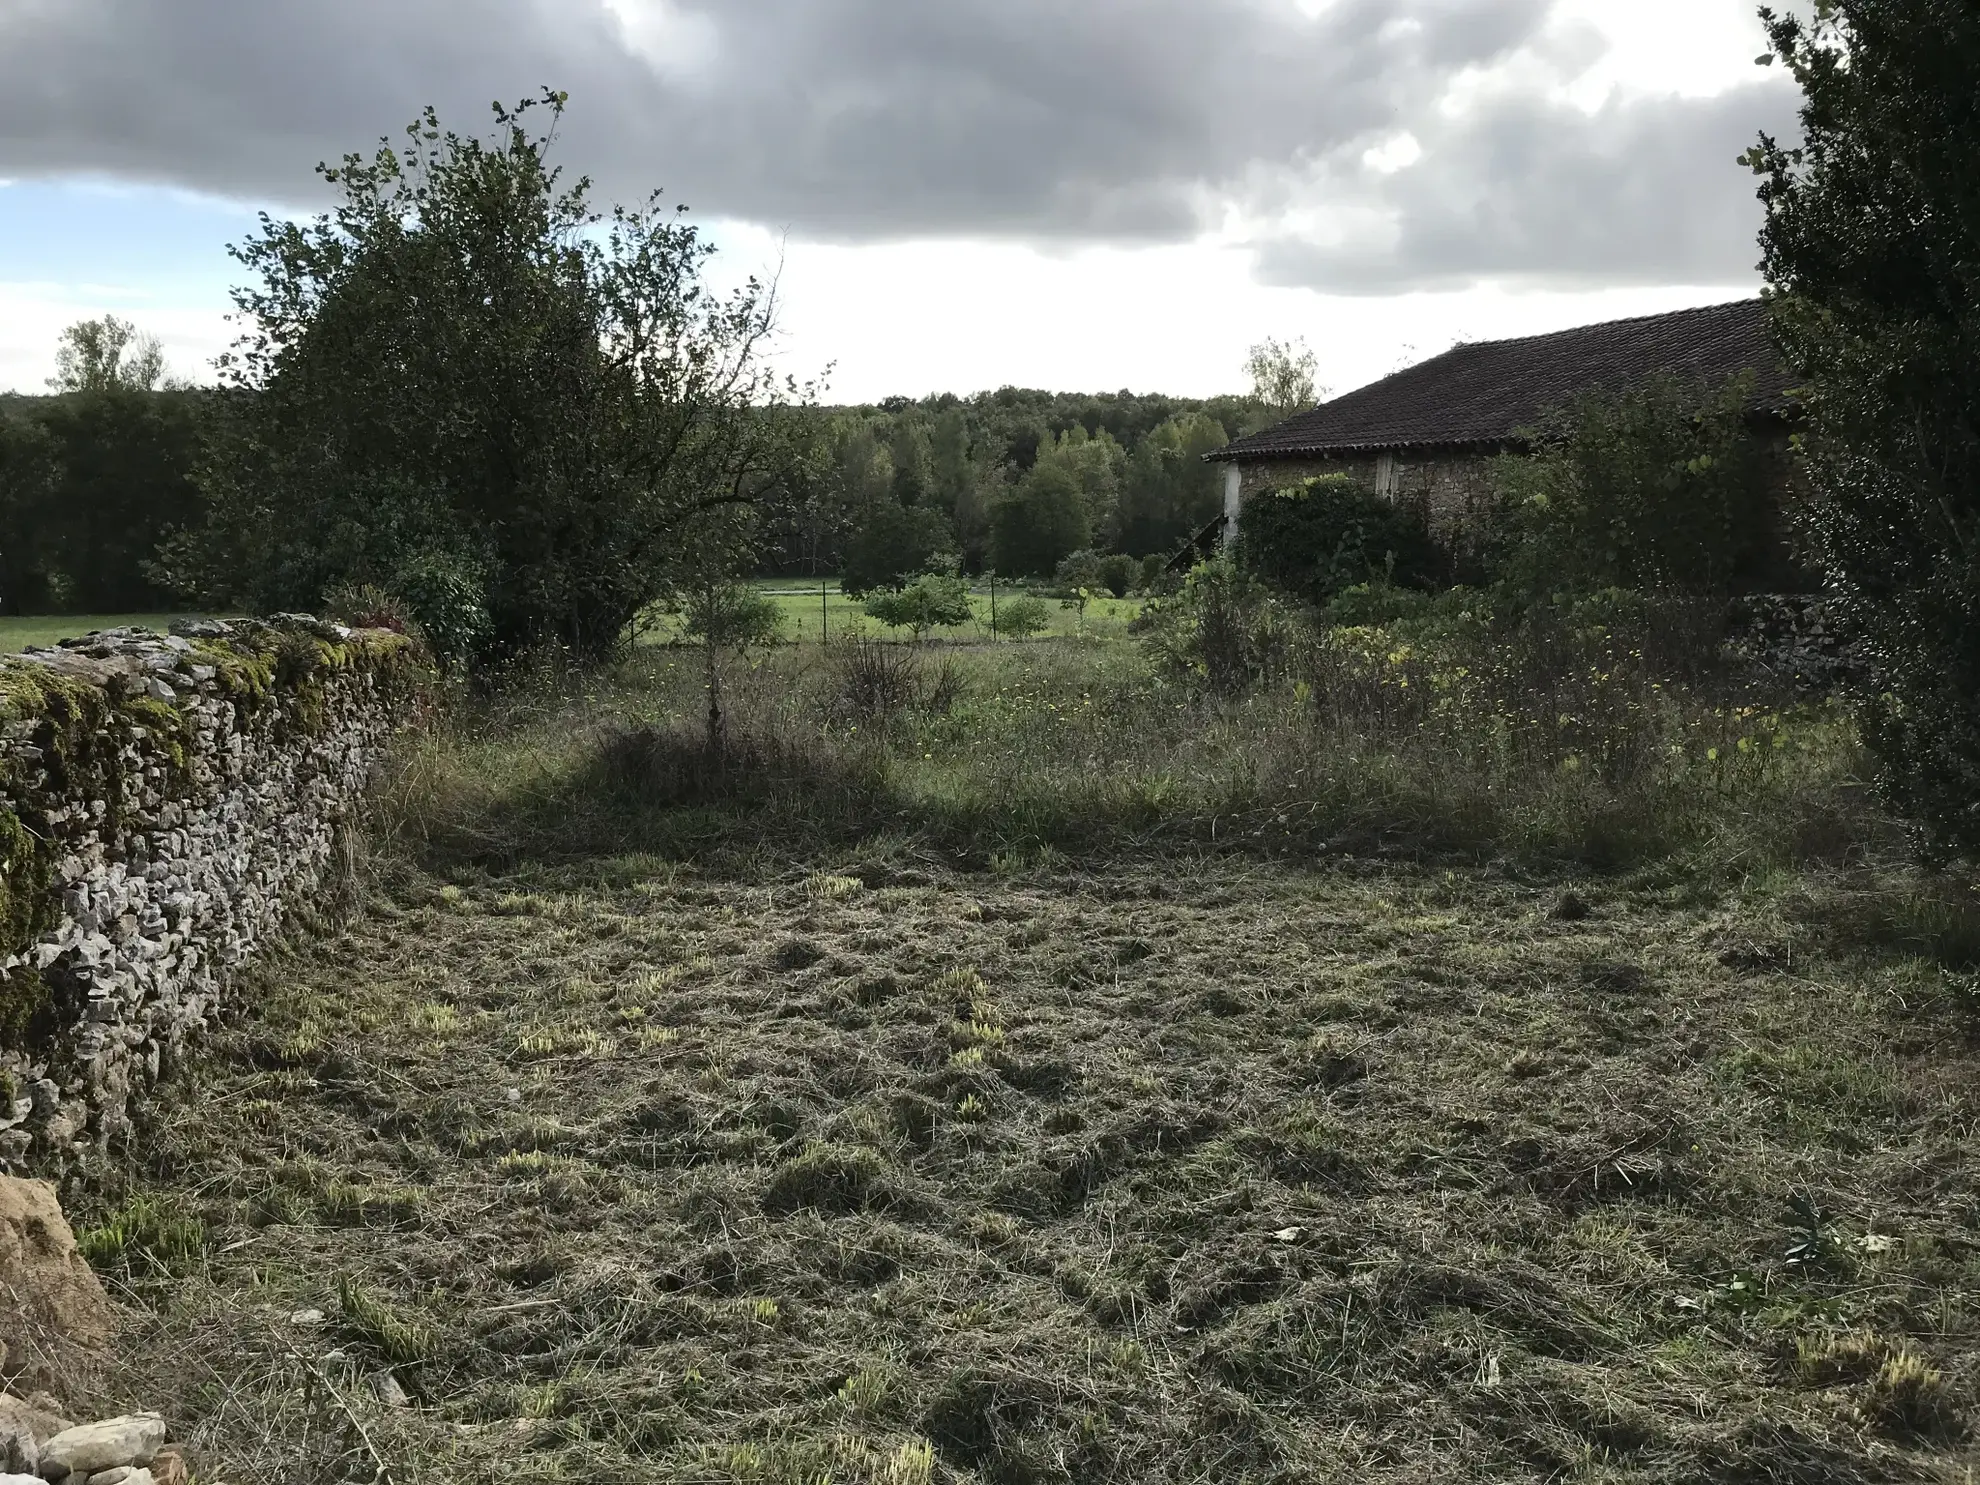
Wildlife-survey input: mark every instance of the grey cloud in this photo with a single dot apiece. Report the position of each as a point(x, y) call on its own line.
point(1123, 120)
point(1645, 190)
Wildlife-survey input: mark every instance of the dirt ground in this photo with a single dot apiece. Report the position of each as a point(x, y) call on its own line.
point(1190, 1169)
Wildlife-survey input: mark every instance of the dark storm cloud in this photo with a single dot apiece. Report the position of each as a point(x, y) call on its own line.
point(1646, 190)
point(1124, 120)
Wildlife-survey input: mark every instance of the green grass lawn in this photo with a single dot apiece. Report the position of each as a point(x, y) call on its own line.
point(807, 613)
point(17, 634)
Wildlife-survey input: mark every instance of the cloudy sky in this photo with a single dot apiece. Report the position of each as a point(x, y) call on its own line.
point(962, 193)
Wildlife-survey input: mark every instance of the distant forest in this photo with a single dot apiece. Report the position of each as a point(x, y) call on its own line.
point(93, 478)
point(1012, 480)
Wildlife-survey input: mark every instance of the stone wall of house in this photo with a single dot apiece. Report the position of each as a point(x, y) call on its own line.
point(164, 804)
point(1453, 491)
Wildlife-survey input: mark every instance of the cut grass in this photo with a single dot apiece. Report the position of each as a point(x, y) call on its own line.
point(1272, 1173)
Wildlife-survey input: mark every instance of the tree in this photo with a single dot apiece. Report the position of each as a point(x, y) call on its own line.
point(724, 614)
point(892, 544)
point(1281, 375)
point(931, 601)
point(1870, 244)
point(466, 369)
point(1022, 615)
point(107, 355)
point(28, 475)
point(1039, 522)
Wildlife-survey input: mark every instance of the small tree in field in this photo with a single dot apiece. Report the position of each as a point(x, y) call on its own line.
point(931, 601)
point(725, 615)
point(466, 369)
point(1021, 616)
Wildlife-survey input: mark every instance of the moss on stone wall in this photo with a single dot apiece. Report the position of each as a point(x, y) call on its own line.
point(80, 731)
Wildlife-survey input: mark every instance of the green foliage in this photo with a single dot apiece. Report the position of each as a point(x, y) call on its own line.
point(893, 543)
point(733, 614)
point(1035, 526)
point(1324, 535)
point(89, 484)
point(1662, 485)
point(374, 1322)
point(468, 387)
point(1224, 629)
point(146, 1236)
point(1281, 376)
point(931, 601)
point(1022, 615)
point(1869, 246)
point(107, 355)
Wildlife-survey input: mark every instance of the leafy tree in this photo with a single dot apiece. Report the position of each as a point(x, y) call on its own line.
point(1169, 491)
point(1034, 526)
point(1281, 375)
point(1870, 247)
point(931, 601)
point(1022, 615)
point(733, 614)
point(1661, 485)
point(28, 473)
point(1318, 537)
point(892, 544)
point(464, 368)
point(107, 355)
point(126, 463)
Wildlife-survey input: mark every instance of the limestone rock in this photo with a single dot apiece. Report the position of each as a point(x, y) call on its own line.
point(93, 1447)
point(50, 1302)
point(123, 1474)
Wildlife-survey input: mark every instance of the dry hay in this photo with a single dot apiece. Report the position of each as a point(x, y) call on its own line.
point(1183, 1171)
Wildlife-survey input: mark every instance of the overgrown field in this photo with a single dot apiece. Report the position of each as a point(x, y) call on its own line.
point(938, 1102)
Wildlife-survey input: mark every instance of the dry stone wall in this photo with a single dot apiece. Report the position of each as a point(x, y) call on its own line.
point(165, 801)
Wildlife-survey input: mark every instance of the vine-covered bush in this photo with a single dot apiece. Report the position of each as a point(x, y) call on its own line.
point(1323, 535)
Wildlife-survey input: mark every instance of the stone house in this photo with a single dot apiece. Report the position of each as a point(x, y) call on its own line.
point(1428, 433)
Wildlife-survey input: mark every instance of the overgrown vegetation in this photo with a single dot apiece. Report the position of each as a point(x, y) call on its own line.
point(1869, 241)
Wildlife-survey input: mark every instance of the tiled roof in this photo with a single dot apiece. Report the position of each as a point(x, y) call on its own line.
point(1483, 394)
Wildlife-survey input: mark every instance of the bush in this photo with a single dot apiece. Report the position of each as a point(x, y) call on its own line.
point(732, 614)
point(1022, 615)
point(931, 601)
point(1077, 571)
point(1224, 629)
point(1117, 574)
point(1661, 486)
point(1154, 567)
point(1324, 535)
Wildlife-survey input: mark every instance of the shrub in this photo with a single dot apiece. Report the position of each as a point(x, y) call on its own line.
point(1117, 574)
point(1660, 486)
point(1327, 534)
point(877, 680)
point(1022, 615)
point(1153, 568)
point(931, 601)
point(732, 614)
point(1223, 629)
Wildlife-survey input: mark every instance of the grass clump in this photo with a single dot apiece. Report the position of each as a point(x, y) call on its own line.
point(147, 1237)
point(375, 1323)
point(831, 1178)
